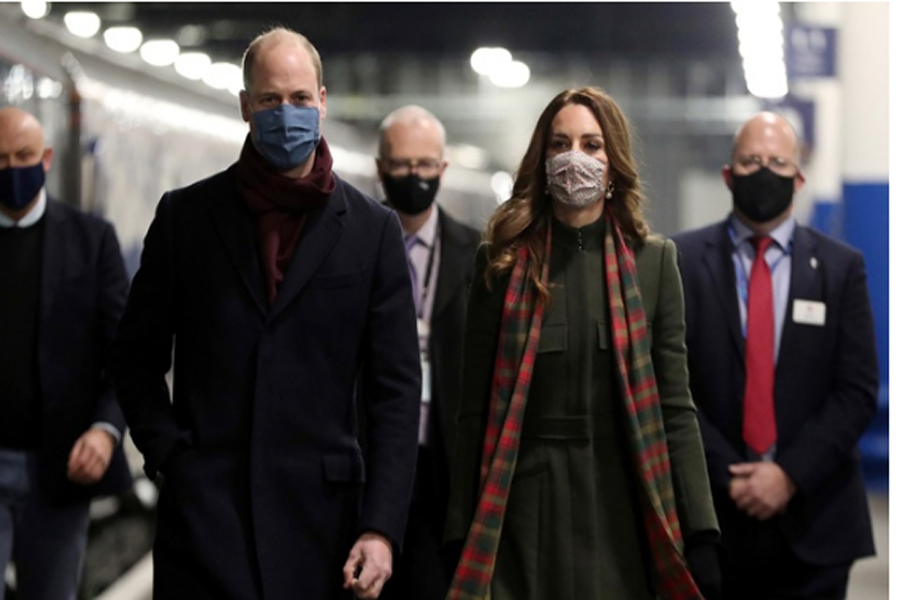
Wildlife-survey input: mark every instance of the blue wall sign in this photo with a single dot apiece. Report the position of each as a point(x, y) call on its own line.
point(810, 51)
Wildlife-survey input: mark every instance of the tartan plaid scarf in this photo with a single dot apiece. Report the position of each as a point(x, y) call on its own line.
point(516, 351)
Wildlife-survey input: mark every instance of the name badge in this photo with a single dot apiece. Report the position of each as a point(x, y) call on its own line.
point(426, 378)
point(423, 328)
point(809, 312)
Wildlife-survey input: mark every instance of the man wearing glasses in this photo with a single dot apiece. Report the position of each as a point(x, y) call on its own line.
point(441, 255)
point(781, 352)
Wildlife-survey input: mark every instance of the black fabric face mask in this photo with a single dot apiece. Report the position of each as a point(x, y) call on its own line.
point(410, 194)
point(763, 195)
point(20, 185)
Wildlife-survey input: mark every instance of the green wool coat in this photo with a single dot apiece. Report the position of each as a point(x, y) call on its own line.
point(573, 526)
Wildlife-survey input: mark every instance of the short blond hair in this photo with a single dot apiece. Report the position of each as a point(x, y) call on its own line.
point(409, 114)
point(273, 37)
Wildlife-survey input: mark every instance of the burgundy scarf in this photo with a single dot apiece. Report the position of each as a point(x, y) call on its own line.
point(280, 205)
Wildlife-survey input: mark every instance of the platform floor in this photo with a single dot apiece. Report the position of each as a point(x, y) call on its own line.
point(868, 579)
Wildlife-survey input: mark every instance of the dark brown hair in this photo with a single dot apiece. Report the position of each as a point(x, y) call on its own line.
point(521, 220)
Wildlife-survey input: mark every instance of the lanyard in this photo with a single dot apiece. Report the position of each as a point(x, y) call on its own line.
point(429, 268)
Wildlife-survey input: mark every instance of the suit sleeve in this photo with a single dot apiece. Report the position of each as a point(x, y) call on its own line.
point(479, 348)
point(828, 440)
point(141, 353)
point(112, 293)
point(392, 390)
point(689, 474)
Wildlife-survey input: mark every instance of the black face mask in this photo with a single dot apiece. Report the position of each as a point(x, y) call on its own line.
point(763, 195)
point(410, 194)
point(20, 185)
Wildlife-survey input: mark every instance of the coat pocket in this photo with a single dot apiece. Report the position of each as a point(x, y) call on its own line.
point(344, 468)
point(603, 336)
point(554, 338)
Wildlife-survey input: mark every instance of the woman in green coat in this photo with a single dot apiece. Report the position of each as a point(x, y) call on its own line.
point(579, 470)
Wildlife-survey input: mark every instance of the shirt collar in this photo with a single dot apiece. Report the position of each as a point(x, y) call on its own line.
point(31, 217)
point(783, 234)
point(428, 230)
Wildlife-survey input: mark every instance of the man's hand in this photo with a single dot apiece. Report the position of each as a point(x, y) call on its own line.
point(90, 456)
point(760, 489)
point(368, 566)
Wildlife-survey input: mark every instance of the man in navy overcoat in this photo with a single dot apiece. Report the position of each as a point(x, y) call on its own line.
point(286, 293)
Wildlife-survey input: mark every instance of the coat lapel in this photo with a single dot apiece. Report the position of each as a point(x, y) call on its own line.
point(235, 227)
point(54, 256)
point(806, 284)
point(719, 262)
point(451, 267)
point(322, 230)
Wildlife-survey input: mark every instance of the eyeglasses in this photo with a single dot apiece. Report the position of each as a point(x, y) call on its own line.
point(426, 167)
point(776, 164)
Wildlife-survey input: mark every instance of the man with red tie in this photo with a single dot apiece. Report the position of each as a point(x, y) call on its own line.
point(781, 352)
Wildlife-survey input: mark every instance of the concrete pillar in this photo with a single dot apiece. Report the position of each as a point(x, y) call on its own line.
point(863, 64)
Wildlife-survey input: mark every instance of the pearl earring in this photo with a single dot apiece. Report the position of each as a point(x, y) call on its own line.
point(609, 190)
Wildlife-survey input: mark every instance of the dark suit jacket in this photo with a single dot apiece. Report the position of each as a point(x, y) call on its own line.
point(83, 291)
point(826, 384)
point(266, 488)
point(448, 319)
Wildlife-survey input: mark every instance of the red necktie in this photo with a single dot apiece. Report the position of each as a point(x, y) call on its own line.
point(759, 405)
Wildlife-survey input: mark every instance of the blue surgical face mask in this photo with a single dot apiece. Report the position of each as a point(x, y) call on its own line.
point(19, 185)
point(286, 135)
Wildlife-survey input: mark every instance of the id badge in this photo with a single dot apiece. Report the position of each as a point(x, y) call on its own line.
point(426, 377)
point(809, 312)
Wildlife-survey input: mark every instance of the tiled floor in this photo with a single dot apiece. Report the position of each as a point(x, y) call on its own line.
point(869, 577)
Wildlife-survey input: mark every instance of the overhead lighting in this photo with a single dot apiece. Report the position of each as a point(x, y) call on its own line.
point(502, 184)
point(18, 84)
point(35, 9)
point(224, 76)
point(48, 88)
point(192, 65)
point(159, 53)
point(513, 75)
point(498, 65)
point(485, 61)
point(123, 39)
point(761, 45)
point(82, 23)
point(761, 7)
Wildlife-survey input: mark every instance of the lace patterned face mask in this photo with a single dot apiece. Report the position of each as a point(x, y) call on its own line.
point(575, 179)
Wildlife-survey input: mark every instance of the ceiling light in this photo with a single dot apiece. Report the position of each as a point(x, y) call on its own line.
point(502, 184)
point(48, 88)
point(761, 45)
point(82, 23)
point(487, 60)
point(159, 53)
point(35, 9)
point(513, 75)
point(123, 39)
point(192, 65)
point(224, 76)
